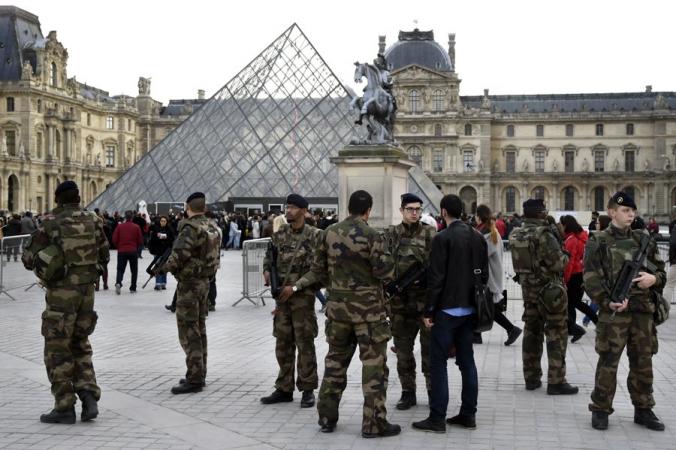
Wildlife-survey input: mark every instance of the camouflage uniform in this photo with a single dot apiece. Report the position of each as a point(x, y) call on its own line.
point(355, 259)
point(69, 317)
point(410, 243)
point(194, 260)
point(295, 321)
point(545, 302)
point(604, 255)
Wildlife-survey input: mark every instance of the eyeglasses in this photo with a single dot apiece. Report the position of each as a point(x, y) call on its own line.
point(413, 210)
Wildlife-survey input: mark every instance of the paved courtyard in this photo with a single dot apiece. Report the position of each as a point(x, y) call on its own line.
point(138, 358)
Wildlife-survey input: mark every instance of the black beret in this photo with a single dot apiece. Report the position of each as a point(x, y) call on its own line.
point(195, 195)
point(410, 198)
point(534, 204)
point(623, 199)
point(68, 185)
point(297, 200)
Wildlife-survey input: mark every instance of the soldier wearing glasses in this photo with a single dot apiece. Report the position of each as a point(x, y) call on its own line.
point(410, 243)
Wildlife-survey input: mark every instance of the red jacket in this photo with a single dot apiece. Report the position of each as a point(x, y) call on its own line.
point(574, 245)
point(502, 228)
point(127, 237)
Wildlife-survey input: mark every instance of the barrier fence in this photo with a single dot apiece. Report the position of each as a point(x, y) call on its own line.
point(12, 273)
point(253, 287)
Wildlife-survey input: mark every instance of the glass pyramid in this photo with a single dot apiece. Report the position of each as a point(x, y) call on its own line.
point(268, 132)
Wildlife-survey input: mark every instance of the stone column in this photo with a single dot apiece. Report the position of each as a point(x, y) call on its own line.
point(382, 171)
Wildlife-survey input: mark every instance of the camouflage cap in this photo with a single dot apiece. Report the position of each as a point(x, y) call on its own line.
point(621, 198)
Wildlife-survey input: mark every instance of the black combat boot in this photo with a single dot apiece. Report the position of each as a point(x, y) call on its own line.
point(327, 427)
point(54, 416)
point(599, 420)
point(388, 430)
point(407, 400)
point(648, 419)
point(90, 408)
point(184, 381)
point(561, 389)
point(277, 397)
point(308, 400)
point(532, 385)
point(577, 333)
point(186, 388)
point(430, 426)
point(463, 420)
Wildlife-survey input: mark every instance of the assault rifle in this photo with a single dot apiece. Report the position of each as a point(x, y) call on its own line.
point(156, 264)
point(275, 289)
point(628, 272)
point(413, 275)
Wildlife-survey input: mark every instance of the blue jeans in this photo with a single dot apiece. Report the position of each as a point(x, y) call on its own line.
point(161, 279)
point(448, 331)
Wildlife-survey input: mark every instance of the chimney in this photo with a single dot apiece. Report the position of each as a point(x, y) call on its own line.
point(381, 44)
point(200, 94)
point(648, 87)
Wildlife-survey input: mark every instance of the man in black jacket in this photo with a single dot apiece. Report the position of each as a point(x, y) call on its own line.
point(450, 312)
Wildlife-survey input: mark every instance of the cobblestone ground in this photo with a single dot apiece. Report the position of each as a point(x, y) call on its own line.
point(138, 358)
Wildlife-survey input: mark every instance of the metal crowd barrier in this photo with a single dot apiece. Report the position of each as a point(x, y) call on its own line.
point(253, 287)
point(12, 273)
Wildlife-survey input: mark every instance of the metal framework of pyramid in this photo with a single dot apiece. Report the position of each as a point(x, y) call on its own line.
point(268, 132)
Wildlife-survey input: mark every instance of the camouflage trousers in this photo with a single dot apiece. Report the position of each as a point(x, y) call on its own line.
point(405, 328)
point(67, 322)
point(191, 313)
point(637, 332)
point(343, 339)
point(548, 325)
point(295, 327)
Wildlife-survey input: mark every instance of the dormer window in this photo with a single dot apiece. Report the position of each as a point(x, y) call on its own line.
point(52, 75)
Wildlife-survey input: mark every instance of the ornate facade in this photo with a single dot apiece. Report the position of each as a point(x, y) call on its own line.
point(573, 150)
point(54, 128)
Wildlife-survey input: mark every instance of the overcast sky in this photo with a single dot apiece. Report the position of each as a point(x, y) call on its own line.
point(511, 47)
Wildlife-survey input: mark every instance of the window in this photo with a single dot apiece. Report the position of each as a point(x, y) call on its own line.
point(52, 74)
point(599, 129)
point(128, 124)
point(510, 199)
point(109, 122)
point(468, 129)
point(569, 129)
point(438, 100)
point(437, 130)
point(539, 130)
point(630, 129)
point(510, 130)
point(510, 162)
point(10, 104)
point(57, 146)
point(39, 106)
point(599, 160)
point(629, 158)
point(438, 161)
point(468, 161)
point(569, 161)
point(599, 199)
point(38, 143)
point(416, 155)
point(110, 156)
point(414, 100)
point(569, 198)
point(539, 193)
point(89, 119)
point(539, 161)
point(631, 191)
point(10, 140)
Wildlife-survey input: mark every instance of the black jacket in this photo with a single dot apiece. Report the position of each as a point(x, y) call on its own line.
point(158, 246)
point(450, 277)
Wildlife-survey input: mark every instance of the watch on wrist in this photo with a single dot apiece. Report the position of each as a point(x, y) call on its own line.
point(294, 288)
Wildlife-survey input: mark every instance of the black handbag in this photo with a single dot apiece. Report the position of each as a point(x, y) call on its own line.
point(483, 301)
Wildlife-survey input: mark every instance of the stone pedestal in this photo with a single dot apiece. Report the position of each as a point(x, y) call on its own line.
point(382, 171)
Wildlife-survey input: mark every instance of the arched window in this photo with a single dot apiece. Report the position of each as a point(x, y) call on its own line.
point(510, 199)
point(539, 193)
point(415, 154)
point(631, 191)
point(57, 147)
point(437, 130)
point(569, 198)
point(438, 100)
point(414, 101)
point(468, 129)
point(599, 198)
point(52, 75)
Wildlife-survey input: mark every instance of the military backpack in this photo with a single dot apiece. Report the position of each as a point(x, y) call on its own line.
point(212, 249)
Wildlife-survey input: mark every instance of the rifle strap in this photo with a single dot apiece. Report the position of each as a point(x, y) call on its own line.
point(295, 253)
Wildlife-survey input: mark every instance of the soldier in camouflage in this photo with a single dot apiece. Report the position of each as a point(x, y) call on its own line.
point(356, 261)
point(68, 253)
point(294, 319)
point(629, 323)
point(410, 243)
point(539, 261)
point(194, 259)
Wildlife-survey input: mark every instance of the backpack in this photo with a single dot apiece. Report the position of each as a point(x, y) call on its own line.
point(212, 249)
point(523, 246)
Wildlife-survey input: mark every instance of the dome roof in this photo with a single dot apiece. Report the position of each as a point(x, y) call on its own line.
point(418, 47)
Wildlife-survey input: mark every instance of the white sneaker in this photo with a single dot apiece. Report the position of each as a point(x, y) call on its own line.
point(118, 289)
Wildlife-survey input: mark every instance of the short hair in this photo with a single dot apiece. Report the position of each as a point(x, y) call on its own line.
point(198, 205)
point(483, 212)
point(128, 215)
point(452, 204)
point(360, 202)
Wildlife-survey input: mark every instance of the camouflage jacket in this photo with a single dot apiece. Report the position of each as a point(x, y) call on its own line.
point(604, 255)
point(549, 255)
point(188, 254)
point(356, 260)
point(408, 245)
point(83, 242)
point(303, 244)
